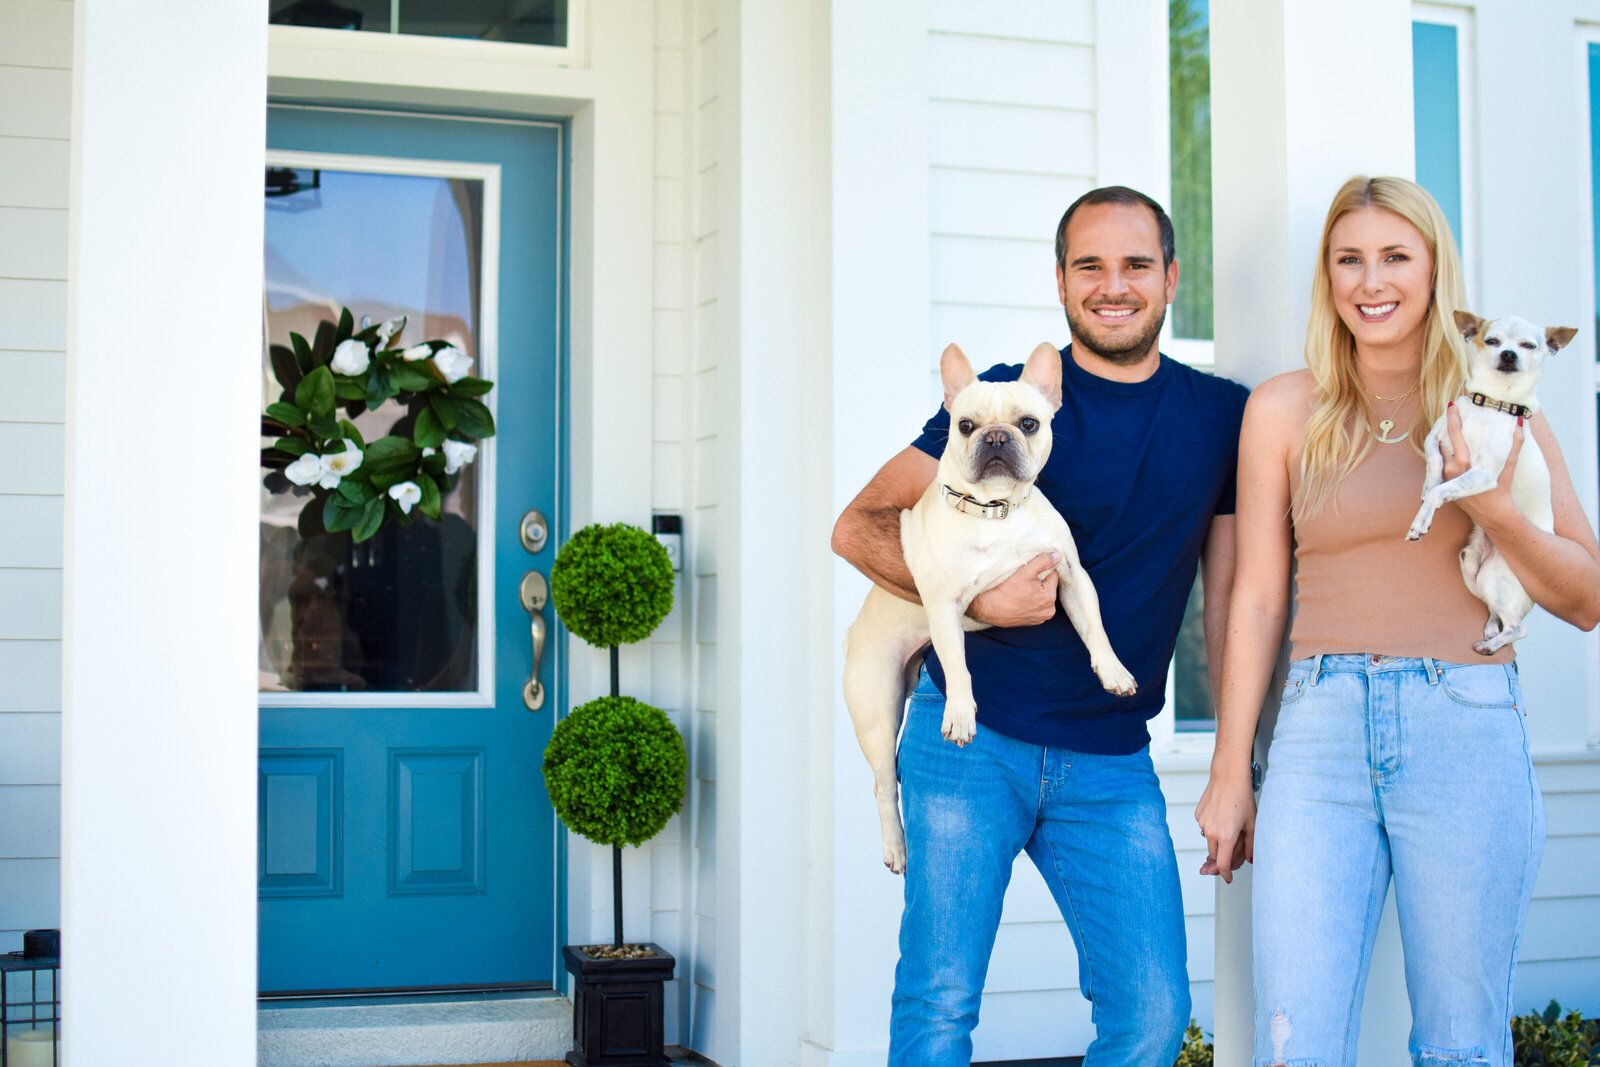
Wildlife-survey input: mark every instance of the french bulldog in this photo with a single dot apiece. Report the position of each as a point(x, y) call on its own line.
point(977, 523)
point(1504, 357)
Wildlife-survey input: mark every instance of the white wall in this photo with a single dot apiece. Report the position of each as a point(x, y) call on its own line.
point(35, 129)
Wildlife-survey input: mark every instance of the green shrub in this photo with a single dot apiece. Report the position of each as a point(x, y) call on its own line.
point(1553, 1040)
point(1196, 1051)
point(615, 769)
point(612, 585)
point(1547, 1039)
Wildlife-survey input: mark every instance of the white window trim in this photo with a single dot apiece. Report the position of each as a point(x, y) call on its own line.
point(1460, 18)
point(419, 46)
point(488, 356)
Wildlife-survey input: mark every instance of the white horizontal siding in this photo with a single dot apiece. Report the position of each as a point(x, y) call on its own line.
point(996, 71)
point(990, 203)
point(36, 33)
point(1063, 21)
point(1028, 140)
point(30, 748)
point(35, 122)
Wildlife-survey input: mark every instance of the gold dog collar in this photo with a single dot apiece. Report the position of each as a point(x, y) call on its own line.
point(970, 505)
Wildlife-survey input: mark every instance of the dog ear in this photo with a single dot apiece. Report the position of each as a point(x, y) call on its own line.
point(955, 371)
point(1469, 324)
point(1043, 372)
point(1558, 337)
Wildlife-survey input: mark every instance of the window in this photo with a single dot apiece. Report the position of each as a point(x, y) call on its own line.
point(1441, 87)
point(542, 22)
point(1189, 72)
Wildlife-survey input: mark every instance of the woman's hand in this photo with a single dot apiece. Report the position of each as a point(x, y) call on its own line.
point(1489, 507)
point(1227, 817)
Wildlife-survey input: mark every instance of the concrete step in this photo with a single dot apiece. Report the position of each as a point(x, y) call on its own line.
point(403, 1031)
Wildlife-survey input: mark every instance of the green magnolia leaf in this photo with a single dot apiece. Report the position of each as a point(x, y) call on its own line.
point(284, 366)
point(350, 389)
point(302, 358)
point(310, 522)
point(356, 408)
point(387, 476)
point(292, 445)
point(274, 459)
point(323, 344)
point(428, 432)
point(287, 414)
point(355, 490)
point(429, 504)
point(340, 514)
point(347, 326)
point(323, 427)
point(470, 386)
point(434, 465)
point(390, 452)
point(372, 513)
point(315, 392)
point(407, 376)
point(476, 421)
point(447, 408)
point(348, 429)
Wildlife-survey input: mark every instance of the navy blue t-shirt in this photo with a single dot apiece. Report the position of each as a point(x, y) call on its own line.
point(1137, 469)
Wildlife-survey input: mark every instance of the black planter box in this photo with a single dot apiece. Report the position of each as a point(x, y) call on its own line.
point(617, 1009)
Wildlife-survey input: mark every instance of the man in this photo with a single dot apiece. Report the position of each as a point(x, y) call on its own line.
point(1142, 468)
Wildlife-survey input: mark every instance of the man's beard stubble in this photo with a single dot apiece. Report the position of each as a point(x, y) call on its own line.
point(1123, 355)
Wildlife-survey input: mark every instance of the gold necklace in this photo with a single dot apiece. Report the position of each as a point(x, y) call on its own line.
point(1385, 425)
point(1392, 399)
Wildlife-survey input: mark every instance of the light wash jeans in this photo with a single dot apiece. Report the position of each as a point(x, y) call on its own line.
point(1095, 826)
point(1382, 764)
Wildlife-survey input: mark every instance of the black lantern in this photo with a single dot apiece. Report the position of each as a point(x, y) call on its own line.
point(30, 1002)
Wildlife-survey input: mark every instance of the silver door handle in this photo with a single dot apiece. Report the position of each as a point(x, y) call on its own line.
point(533, 593)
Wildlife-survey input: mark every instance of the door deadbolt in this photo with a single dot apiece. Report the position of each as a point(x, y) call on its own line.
point(533, 530)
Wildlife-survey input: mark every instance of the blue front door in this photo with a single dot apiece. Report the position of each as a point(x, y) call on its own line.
point(406, 841)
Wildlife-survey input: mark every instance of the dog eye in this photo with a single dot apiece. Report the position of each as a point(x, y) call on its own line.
point(1029, 425)
point(965, 426)
point(1490, 342)
point(1529, 345)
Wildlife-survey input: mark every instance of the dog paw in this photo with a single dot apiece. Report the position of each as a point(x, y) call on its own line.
point(960, 725)
point(1115, 678)
point(1418, 528)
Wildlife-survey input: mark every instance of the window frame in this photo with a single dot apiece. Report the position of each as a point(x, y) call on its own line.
point(1461, 20)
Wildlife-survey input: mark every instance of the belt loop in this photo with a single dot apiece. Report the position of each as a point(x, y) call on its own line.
point(1432, 670)
point(1316, 669)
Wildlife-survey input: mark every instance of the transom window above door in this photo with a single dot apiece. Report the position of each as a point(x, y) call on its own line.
point(538, 22)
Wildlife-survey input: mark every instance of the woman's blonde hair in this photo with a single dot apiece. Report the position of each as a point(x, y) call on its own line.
point(1337, 436)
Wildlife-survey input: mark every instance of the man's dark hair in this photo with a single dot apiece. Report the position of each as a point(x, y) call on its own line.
point(1118, 194)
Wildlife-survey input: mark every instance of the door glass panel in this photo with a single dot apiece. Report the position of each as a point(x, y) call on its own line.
point(397, 613)
point(517, 21)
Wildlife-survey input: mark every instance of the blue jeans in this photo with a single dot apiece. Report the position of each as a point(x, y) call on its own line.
point(1385, 765)
point(1095, 826)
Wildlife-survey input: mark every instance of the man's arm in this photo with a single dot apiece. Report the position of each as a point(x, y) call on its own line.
point(1216, 584)
point(867, 536)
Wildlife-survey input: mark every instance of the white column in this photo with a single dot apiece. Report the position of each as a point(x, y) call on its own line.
point(881, 360)
point(774, 569)
point(1302, 97)
point(164, 386)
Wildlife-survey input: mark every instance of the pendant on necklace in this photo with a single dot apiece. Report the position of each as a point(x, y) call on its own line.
point(1383, 437)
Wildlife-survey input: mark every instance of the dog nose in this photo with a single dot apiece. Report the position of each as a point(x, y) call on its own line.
point(996, 436)
point(1508, 359)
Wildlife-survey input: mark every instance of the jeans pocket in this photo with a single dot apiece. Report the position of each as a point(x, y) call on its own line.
point(1296, 682)
point(1478, 685)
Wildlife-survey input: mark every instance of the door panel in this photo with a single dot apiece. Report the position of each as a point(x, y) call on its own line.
point(406, 841)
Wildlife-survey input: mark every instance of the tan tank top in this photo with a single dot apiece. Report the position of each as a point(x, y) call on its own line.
point(1362, 587)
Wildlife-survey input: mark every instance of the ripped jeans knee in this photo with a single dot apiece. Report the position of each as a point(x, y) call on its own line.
point(1428, 1056)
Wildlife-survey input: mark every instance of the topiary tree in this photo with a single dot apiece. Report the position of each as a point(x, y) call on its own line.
point(614, 767)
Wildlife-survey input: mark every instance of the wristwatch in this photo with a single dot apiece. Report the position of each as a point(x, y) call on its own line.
point(1256, 774)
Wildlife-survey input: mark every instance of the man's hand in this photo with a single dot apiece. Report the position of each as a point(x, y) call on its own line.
point(1027, 598)
point(1227, 817)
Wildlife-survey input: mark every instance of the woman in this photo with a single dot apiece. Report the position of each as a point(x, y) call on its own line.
point(1398, 749)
